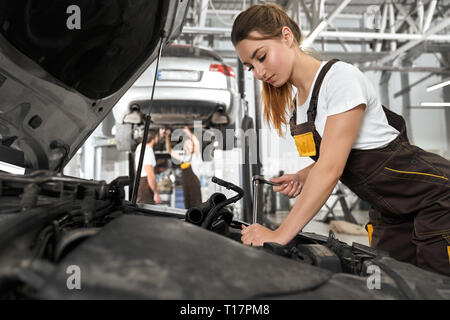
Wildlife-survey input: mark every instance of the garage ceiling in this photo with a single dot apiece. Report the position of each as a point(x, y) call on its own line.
point(370, 33)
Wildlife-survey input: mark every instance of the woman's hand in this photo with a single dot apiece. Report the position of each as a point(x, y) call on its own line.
point(161, 132)
point(291, 185)
point(256, 235)
point(157, 198)
point(187, 130)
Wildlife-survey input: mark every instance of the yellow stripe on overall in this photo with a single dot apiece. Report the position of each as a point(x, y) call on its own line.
point(412, 172)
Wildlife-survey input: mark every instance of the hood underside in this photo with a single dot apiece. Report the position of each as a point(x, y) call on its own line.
point(64, 64)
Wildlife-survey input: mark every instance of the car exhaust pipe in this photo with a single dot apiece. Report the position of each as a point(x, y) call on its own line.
point(196, 215)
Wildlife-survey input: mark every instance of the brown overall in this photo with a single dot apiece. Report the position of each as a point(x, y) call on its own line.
point(145, 193)
point(191, 186)
point(408, 190)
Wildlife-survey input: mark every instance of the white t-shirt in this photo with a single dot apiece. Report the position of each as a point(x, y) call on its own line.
point(195, 160)
point(149, 158)
point(343, 88)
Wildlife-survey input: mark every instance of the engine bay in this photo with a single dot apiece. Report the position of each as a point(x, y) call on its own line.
point(49, 222)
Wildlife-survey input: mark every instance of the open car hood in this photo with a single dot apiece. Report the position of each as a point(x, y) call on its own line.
point(57, 84)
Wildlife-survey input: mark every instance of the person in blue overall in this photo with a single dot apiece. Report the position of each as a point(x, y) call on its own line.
point(336, 118)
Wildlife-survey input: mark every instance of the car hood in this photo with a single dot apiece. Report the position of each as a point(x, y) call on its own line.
point(58, 83)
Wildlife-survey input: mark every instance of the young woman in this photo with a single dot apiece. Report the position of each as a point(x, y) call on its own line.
point(337, 120)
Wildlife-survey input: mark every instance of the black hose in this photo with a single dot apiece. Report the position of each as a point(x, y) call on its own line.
point(216, 210)
point(42, 240)
point(71, 218)
point(197, 214)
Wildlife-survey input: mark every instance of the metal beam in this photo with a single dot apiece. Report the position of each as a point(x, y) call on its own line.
point(324, 23)
point(429, 15)
point(420, 14)
point(385, 36)
point(442, 25)
point(425, 47)
point(430, 108)
point(201, 20)
point(338, 34)
point(382, 27)
point(314, 14)
point(406, 98)
point(306, 12)
point(407, 16)
point(440, 84)
point(406, 69)
point(393, 44)
point(353, 57)
point(345, 16)
point(384, 86)
point(408, 88)
point(358, 57)
point(341, 41)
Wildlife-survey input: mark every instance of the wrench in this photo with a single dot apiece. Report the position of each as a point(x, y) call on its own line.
point(257, 180)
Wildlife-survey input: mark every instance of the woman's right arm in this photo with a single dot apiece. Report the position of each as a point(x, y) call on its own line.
point(303, 174)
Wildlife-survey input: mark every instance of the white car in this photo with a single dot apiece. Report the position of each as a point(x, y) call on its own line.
point(193, 83)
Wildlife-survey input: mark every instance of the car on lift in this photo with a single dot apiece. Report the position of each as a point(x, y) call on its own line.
point(192, 84)
point(56, 86)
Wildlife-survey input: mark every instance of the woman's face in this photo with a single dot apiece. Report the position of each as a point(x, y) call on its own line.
point(271, 60)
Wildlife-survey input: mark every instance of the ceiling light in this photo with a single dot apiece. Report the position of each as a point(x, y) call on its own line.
point(444, 83)
point(435, 104)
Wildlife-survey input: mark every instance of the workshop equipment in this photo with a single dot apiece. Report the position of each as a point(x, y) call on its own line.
point(258, 182)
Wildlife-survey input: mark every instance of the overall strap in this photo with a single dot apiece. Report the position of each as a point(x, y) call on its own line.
point(312, 110)
point(293, 120)
point(396, 121)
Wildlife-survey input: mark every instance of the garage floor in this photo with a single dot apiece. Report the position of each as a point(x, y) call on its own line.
point(315, 226)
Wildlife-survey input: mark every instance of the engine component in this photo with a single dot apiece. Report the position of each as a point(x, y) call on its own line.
point(197, 214)
point(29, 196)
point(288, 252)
point(321, 256)
point(70, 239)
point(215, 212)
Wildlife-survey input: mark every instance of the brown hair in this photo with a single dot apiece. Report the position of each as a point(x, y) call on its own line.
point(152, 133)
point(269, 20)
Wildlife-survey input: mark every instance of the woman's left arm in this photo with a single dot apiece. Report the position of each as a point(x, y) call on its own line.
point(339, 135)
